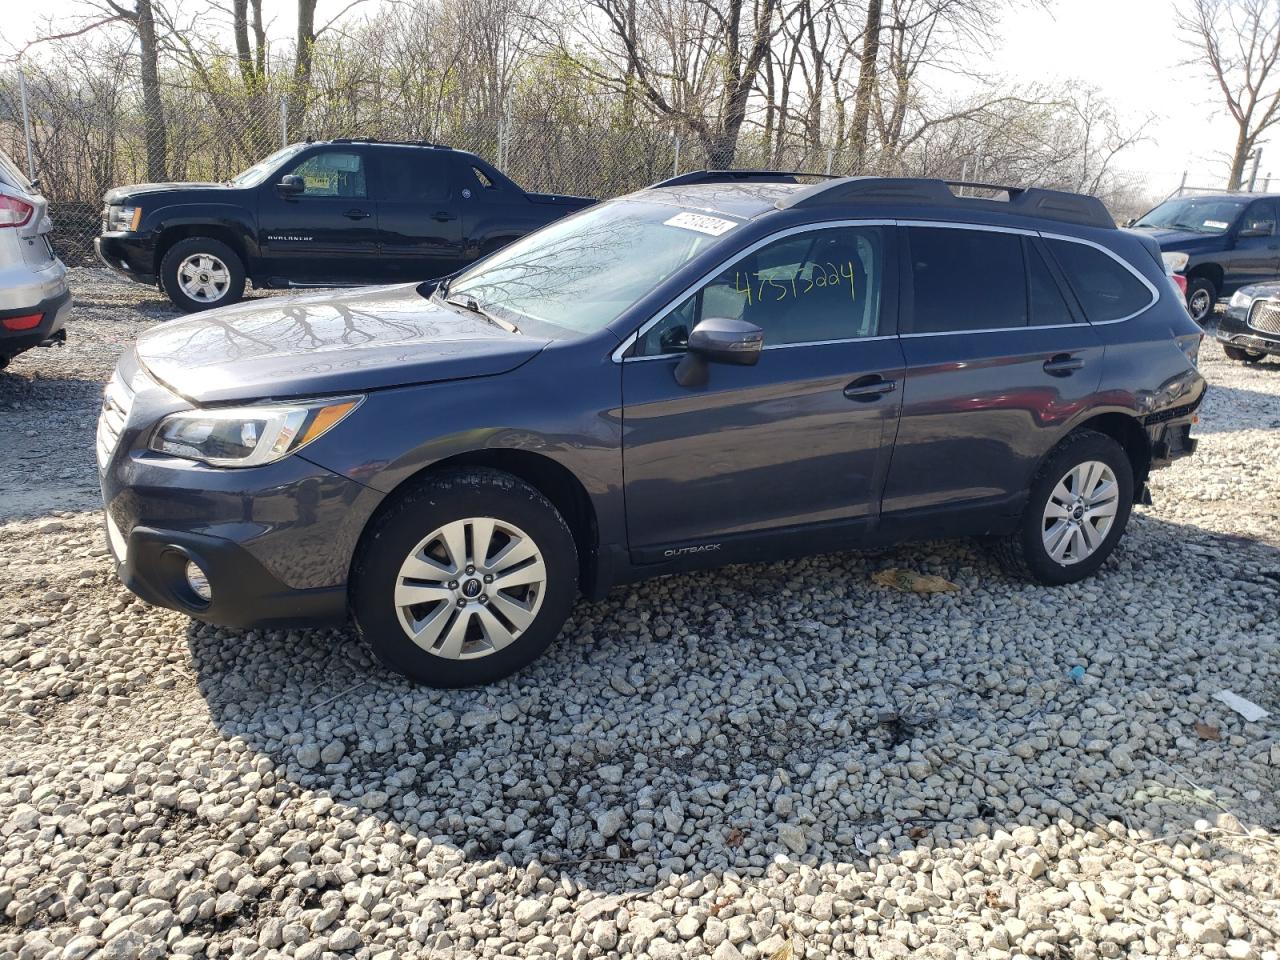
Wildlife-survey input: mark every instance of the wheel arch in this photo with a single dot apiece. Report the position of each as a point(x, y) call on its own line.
point(548, 476)
point(1126, 430)
point(224, 233)
point(1209, 271)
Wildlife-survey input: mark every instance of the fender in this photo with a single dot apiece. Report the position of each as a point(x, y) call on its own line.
point(238, 219)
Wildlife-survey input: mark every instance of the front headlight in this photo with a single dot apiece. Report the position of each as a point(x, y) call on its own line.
point(124, 218)
point(1240, 299)
point(249, 436)
point(1173, 262)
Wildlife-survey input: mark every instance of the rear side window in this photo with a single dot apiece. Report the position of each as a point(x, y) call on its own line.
point(412, 175)
point(1106, 289)
point(966, 280)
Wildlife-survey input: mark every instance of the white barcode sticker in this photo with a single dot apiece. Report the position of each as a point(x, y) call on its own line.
point(714, 226)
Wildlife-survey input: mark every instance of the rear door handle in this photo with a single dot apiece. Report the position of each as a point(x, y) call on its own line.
point(443, 216)
point(1063, 365)
point(357, 214)
point(866, 389)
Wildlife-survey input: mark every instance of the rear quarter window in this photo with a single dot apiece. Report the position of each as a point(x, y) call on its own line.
point(1106, 289)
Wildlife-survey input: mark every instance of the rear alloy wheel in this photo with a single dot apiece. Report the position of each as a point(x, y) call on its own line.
point(1202, 295)
point(200, 273)
point(481, 594)
point(1241, 354)
point(1076, 513)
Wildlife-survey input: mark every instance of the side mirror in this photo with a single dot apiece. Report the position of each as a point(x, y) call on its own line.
point(1131, 221)
point(291, 185)
point(718, 340)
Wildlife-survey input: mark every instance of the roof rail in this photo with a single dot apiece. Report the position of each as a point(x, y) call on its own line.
point(395, 143)
point(739, 176)
point(1057, 205)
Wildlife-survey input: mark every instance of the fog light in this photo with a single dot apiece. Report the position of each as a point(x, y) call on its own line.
point(198, 582)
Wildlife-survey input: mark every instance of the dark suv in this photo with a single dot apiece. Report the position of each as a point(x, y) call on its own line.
point(331, 213)
point(725, 367)
point(1219, 242)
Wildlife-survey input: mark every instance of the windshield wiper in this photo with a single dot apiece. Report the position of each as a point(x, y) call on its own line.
point(468, 302)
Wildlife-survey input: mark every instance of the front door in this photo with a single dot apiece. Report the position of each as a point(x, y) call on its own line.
point(799, 439)
point(419, 221)
point(998, 359)
point(1255, 256)
point(326, 234)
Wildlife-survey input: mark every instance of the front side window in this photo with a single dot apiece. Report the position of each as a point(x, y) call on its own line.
point(966, 280)
point(332, 173)
point(810, 287)
point(1259, 220)
point(1105, 288)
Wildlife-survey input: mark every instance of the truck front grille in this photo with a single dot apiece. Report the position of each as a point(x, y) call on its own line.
point(117, 398)
point(1265, 316)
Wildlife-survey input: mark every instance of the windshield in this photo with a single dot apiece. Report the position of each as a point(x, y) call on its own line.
point(259, 171)
point(583, 272)
point(1198, 214)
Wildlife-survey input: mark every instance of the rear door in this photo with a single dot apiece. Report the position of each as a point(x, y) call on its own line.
point(801, 438)
point(998, 358)
point(327, 234)
point(420, 229)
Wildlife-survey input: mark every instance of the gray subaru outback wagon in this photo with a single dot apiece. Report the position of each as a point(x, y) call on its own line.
point(727, 366)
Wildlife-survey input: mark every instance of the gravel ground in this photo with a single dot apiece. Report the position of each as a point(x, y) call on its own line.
point(778, 760)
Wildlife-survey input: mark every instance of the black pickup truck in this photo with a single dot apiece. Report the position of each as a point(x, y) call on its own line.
point(329, 213)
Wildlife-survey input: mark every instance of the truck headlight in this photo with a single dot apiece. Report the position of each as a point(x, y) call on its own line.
point(249, 436)
point(124, 218)
point(1240, 299)
point(1173, 262)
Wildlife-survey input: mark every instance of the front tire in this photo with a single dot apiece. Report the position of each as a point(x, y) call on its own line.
point(1241, 354)
point(1202, 295)
point(466, 579)
point(1076, 514)
point(200, 273)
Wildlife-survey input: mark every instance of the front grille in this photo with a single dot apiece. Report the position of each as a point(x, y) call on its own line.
point(117, 398)
point(1265, 316)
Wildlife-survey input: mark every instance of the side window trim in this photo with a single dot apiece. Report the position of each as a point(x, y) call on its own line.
point(1151, 288)
point(888, 309)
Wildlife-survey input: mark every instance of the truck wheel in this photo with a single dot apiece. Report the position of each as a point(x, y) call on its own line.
point(1201, 297)
point(200, 273)
point(1079, 505)
point(465, 579)
point(1241, 354)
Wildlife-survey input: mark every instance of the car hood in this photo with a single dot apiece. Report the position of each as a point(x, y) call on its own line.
point(1173, 239)
point(348, 341)
point(135, 190)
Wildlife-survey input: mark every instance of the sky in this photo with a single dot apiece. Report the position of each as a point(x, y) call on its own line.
point(1128, 49)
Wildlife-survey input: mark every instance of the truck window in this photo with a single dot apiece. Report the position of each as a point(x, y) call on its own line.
point(1106, 289)
point(332, 173)
point(413, 175)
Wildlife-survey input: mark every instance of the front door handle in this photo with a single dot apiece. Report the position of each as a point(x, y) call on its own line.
point(1063, 365)
point(443, 216)
point(873, 387)
point(356, 213)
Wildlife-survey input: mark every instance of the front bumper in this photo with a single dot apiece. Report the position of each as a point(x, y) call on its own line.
point(1232, 328)
point(131, 255)
point(53, 312)
point(275, 542)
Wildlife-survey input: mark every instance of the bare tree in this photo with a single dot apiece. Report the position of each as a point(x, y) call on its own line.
point(1238, 43)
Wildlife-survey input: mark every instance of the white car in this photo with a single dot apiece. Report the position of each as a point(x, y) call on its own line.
point(34, 298)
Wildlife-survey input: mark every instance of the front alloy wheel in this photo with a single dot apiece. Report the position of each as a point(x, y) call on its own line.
point(470, 588)
point(481, 594)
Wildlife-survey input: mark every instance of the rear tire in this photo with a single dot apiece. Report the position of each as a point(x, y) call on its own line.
point(1076, 514)
point(439, 607)
point(1241, 354)
point(1202, 295)
point(201, 273)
